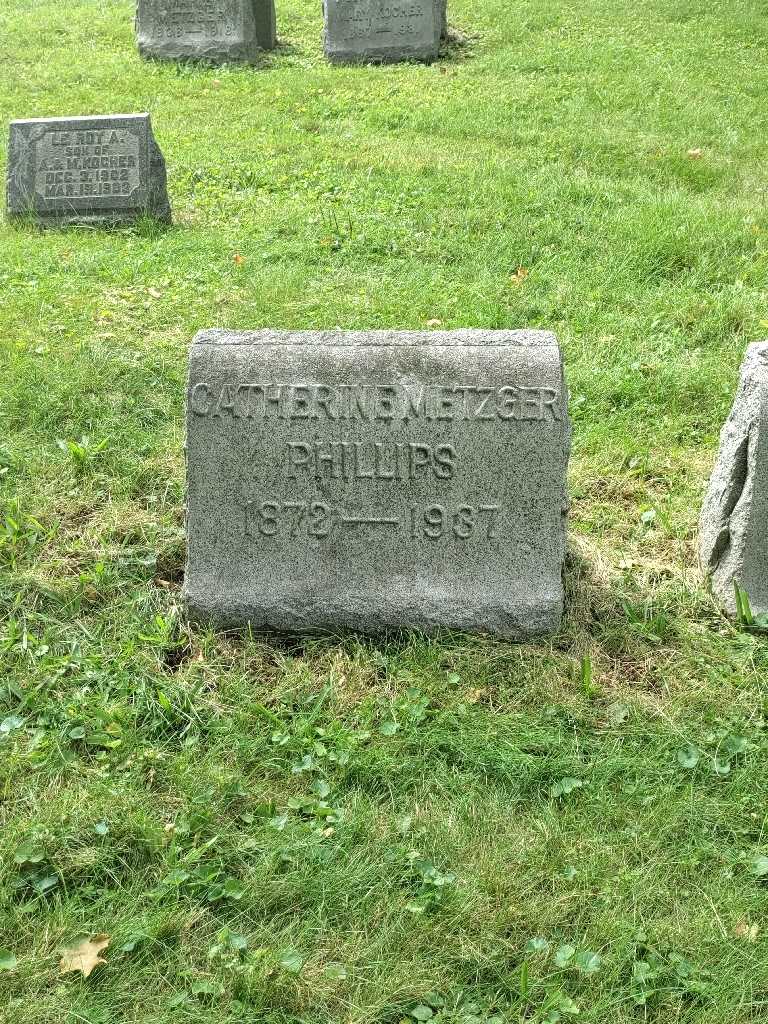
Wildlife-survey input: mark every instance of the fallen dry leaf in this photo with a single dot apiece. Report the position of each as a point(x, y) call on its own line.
point(520, 275)
point(695, 154)
point(154, 293)
point(84, 956)
point(239, 260)
point(474, 695)
point(745, 930)
point(434, 323)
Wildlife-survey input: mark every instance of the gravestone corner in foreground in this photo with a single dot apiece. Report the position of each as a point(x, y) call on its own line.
point(733, 528)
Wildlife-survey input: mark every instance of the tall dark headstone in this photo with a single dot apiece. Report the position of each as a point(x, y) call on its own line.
point(382, 31)
point(377, 480)
point(86, 170)
point(216, 31)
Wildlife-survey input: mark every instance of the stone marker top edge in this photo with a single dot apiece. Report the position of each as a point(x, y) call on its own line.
point(81, 117)
point(461, 338)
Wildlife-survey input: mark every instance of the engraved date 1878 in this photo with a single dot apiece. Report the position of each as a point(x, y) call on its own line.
point(319, 520)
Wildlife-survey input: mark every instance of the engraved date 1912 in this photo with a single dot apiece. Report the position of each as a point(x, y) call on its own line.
point(319, 520)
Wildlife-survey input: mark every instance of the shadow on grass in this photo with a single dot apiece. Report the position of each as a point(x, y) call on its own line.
point(263, 61)
point(457, 45)
point(145, 226)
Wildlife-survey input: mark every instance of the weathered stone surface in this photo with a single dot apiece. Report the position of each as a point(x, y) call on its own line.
point(375, 480)
point(382, 31)
point(86, 170)
point(215, 31)
point(733, 531)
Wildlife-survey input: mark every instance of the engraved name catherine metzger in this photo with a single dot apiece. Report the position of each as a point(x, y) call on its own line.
point(371, 402)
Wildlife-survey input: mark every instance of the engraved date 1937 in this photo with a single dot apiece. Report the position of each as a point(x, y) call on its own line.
point(317, 519)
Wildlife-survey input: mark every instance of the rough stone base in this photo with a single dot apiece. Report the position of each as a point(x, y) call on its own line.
point(443, 7)
point(733, 530)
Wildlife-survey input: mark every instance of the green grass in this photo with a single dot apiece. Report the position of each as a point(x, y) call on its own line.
point(387, 825)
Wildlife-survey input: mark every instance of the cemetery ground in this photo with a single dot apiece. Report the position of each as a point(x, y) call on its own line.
point(351, 830)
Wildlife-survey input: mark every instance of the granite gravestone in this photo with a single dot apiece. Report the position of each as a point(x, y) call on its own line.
point(382, 31)
point(377, 480)
point(86, 170)
point(733, 531)
point(209, 30)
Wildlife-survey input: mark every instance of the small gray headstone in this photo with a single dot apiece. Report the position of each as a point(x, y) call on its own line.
point(215, 31)
point(733, 531)
point(86, 170)
point(377, 480)
point(382, 31)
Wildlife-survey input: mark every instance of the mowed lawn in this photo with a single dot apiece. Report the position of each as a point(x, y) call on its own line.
point(317, 831)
